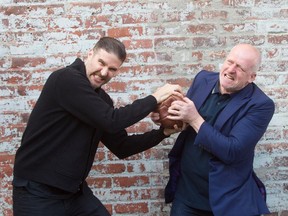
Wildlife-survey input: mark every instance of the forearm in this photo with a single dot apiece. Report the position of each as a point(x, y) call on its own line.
point(229, 146)
point(197, 123)
point(125, 146)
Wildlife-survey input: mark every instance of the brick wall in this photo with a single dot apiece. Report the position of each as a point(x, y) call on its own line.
point(167, 41)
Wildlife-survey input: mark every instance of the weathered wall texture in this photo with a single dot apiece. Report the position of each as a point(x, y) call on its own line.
point(167, 41)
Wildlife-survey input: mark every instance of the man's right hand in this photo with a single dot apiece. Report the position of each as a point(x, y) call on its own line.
point(167, 131)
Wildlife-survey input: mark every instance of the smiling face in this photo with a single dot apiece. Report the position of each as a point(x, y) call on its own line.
point(101, 66)
point(239, 68)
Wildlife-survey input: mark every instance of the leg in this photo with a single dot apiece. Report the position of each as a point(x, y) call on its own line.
point(86, 204)
point(27, 204)
point(180, 208)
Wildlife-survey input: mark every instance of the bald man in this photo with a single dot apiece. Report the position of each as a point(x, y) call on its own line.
point(211, 163)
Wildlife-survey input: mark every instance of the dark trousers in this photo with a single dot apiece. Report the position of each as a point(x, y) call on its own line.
point(180, 208)
point(82, 203)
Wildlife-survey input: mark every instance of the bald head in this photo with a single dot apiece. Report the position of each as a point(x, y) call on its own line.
point(239, 68)
point(248, 52)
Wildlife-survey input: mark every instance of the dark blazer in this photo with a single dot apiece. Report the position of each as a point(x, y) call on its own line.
point(234, 188)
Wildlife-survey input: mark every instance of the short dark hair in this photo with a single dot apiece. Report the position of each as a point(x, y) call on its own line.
point(111, 45)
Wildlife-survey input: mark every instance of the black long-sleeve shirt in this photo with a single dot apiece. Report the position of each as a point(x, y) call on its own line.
point(68, 121)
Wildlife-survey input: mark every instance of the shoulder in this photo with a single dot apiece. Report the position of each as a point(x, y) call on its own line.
point(207, 74)
point(257, 100)
point(72, 74)
point(105, 96)
point(204, 77)
point(76, 68)
point(259, 95)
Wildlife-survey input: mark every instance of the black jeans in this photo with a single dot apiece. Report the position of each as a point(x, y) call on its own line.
point(82, 203)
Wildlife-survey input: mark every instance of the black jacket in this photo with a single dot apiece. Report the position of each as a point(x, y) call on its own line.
point(68, 121)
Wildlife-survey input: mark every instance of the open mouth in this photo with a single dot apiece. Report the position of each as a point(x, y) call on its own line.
point(96, 77)
point(229, 77)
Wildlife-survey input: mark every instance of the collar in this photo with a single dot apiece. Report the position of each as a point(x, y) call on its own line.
point(216, 90)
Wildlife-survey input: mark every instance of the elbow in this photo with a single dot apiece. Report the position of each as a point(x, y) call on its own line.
point(235, 156)
point(111, 128)
point(121, 154)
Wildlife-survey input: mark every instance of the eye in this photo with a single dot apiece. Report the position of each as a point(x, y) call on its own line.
point(113, 69)
point(229, 62)
point(241, 68)
point(101, 62)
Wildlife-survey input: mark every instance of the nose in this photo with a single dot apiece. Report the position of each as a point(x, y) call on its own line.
point(232, 67)
point(104, 71)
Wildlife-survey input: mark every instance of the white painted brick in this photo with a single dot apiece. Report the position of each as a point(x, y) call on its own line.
point(57, 31)
point(28, 49)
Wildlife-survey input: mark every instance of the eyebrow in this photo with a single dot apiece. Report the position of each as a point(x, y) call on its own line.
point(103, 62)
point(238, 65)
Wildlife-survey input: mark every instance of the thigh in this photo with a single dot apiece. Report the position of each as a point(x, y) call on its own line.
point(180, 208)
point(27, 204)
point(86, 204)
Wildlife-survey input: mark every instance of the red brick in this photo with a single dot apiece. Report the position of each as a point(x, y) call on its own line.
point(139, 18)
point(278, 39)
point(85, 6)
point(131, 167)
point(26, 10)
point(138, 44)
point(130, 181)
point(100, 182)
point(109, 168)
point(116, 86)
point(141, 126)
point(272, 214)
point(97, 21)
point(15, 77)
point(250, 39)
point(201, 29)
point(27, 62)
point(208, 41)
point(171, 42)
point(131, 208)
point(125, 32)
point(214, 15)
point(284, 213)
point(284, 13)
point(235, 3)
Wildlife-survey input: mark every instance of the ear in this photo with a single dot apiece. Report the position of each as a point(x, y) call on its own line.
point(90, 53)
point(89, 58)
point(252, 77)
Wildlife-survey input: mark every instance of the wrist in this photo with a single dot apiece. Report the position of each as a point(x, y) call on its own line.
point(196, 123)
point(156, 97)
point(165, 131)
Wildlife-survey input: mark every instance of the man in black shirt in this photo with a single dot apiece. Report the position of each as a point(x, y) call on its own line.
point(72, 115)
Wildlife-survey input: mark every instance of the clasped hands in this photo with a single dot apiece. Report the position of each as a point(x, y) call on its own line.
point(184, 111)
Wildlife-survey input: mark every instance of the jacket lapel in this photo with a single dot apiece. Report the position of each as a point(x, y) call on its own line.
point(206, 88)
point(237, 101)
